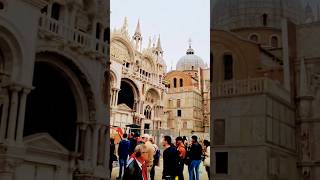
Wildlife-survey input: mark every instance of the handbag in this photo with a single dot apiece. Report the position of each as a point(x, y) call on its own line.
point(206, 162)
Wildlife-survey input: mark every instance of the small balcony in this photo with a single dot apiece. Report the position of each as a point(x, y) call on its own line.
point(153, 80)
point(52, 29)
point(250, 87)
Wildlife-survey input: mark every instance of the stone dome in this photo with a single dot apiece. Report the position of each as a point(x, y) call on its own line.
point(190, 61)
point(234, 14)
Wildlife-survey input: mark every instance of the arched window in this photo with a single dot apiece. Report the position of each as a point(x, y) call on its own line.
point(265, 19)
point(274, 41)
point(228, 67)
point(174, 82)
point(55, 11)
point(254, 38)
point(147, 112)
point(181, 82)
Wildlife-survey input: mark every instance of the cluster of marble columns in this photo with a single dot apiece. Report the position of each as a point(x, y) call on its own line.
point(114, 97)
point(91, 144)
point(14, 102)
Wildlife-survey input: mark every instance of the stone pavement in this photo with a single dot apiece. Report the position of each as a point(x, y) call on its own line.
point(202, 171)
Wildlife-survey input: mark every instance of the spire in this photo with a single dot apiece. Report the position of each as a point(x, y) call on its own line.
point(158, 50)
point(125, 25)
point(154, 41)
point(149, 44)
point(137, 37)
point(190, 50)
point(138, 30)
point(159, 44)
point(190, 42)
point(303, 78)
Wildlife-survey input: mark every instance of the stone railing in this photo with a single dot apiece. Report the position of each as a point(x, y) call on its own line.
point(73, 37)
point(151, 80)
point(250, 86)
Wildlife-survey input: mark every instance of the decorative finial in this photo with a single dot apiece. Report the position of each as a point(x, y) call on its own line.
point(149, 45)
point(190, 42)
point(125, 25)
point(159, 44)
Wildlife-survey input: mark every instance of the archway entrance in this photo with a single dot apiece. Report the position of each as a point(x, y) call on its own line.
point(51, 106)
point(126, 94)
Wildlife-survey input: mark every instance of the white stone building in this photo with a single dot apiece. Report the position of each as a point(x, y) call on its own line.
point(53, 56)
point(137, 86)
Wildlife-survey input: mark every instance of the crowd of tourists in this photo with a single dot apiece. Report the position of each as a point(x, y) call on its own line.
point(139, 155)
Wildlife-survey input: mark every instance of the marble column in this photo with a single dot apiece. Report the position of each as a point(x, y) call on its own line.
point(95, 135)
point(117, 93)
point(22, 108)
point(3, 122)
point(102, 146)
point(13, 113)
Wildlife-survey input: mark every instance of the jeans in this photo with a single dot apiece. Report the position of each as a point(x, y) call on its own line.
point(194, 169)
point(123, 164)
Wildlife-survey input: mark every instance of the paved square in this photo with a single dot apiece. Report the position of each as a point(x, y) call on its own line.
point(202, 171)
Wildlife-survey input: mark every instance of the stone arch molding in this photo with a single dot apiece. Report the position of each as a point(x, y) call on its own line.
point(79, 84)
point(153, 92)
point(126, 43)
point(11, 47)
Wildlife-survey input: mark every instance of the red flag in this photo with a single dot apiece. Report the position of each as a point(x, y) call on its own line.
point(120, 132)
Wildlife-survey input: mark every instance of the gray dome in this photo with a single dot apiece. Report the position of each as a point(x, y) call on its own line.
point(190, 61)
point(233, 14)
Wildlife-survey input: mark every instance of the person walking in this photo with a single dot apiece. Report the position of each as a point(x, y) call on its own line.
point(206, 154)
point(133, 142)
point(156, 158)
point(151, 153)
point(112, 157)
point(123, 153)
point(182, 154)
point(170, 160)
point(136, 168)
point(195, 158)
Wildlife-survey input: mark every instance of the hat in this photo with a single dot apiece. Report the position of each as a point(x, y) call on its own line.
point(146, 136)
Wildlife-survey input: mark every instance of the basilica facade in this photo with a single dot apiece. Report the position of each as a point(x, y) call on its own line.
point(137, 81)
point(147, 98)
point(53, 60)
point(265, 61)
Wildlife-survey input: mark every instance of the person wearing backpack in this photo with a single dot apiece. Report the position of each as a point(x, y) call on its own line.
point(195, 158)
point(182, 154)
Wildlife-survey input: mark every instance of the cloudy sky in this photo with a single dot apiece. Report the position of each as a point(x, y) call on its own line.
point(175, 20)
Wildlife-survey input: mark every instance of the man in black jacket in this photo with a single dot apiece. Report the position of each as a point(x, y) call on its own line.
point(137, 169)
point(170, 159)
point(195, 157)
